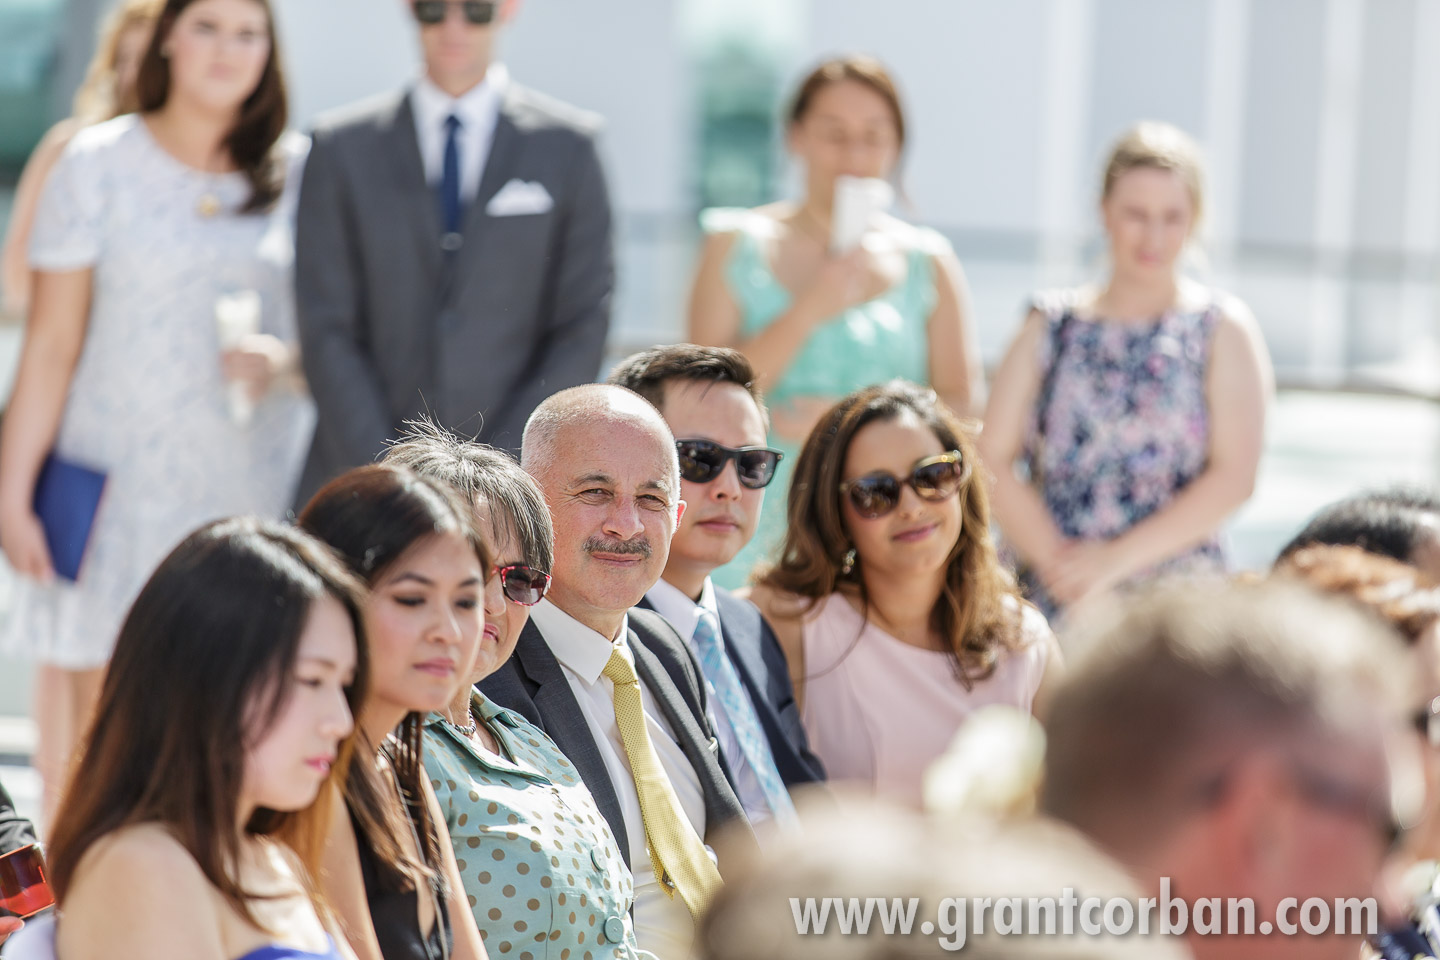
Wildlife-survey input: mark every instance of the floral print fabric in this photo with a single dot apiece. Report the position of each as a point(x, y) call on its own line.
point(1126, 426)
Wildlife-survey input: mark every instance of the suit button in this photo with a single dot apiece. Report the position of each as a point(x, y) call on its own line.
point(614, 930)
point(451, 242)
point(596, 859)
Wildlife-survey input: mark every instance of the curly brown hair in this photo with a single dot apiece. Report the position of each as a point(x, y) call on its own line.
point(979, 610)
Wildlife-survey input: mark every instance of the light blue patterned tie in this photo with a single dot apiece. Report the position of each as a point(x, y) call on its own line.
point(741, 713)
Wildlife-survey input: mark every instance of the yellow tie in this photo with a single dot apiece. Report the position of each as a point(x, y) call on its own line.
point(676, 852)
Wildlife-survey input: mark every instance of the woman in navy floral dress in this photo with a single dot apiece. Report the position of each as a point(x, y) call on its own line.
point(1134, 410)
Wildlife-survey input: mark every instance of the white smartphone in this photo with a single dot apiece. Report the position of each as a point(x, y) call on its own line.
point(858, 201)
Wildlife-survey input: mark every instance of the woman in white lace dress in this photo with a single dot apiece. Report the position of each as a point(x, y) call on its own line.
point(146, 221)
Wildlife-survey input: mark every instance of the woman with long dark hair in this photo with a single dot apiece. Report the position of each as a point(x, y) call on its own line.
point(390, 869)
point(888, 599)
point(150, 225)
point(227, 705)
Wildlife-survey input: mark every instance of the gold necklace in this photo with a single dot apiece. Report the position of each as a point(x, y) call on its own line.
point(208, 205)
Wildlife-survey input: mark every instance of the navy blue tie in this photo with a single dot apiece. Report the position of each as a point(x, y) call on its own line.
point(450, 177)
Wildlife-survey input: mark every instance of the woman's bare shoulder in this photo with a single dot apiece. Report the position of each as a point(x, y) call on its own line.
point(148, 845)
point(138, 868)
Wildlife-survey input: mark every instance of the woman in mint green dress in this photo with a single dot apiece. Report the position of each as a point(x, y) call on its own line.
point(816, 325)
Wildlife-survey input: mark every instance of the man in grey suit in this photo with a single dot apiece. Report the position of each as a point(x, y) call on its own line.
point(607, 465)
point(453, 251)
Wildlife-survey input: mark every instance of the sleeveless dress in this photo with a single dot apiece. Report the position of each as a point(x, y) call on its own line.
point(879, 340)
point(395, 913)
point(879, 711)
point(1127, 427)
point(147, 403)
point(277, 952)
point(540, 866)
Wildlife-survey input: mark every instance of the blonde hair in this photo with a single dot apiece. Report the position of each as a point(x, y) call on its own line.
point(97, 99)
point(1158, 146)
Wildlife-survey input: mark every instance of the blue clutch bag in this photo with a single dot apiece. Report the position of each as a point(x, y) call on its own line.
point(66, 498)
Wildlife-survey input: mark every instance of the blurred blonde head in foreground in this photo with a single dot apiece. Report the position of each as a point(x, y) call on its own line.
point(869, 850)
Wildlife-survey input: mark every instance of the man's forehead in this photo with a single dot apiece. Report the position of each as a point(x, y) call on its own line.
point(607, 439)
point(713, 410)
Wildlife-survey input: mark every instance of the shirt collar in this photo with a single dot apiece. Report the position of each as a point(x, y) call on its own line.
point(582, 650)
point(676, 607)
point(493, 717)
point(476, 107)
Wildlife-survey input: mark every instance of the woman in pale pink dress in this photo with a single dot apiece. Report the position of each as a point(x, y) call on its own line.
point(894, 612)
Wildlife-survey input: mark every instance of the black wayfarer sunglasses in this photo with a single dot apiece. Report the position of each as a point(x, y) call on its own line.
point(703, 460)
point(477, 12)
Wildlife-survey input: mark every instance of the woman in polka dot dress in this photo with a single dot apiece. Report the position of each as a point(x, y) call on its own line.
point(540, 867)
point(539, 864)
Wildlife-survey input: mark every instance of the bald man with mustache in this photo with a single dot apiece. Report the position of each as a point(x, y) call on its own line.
point(607, 464)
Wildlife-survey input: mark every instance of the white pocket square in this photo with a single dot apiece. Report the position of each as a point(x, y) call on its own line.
point(518, 198)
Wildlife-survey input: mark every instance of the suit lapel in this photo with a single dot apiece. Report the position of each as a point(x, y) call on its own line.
point(408, 173)
point(481, 246)
point(499, 167)
point(786, 762)
point(678, 711)
point(721, 804)
point(566, 725)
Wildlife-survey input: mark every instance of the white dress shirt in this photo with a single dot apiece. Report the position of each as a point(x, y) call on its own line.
point(662, 925)
point(683, 614)
point(478, 110)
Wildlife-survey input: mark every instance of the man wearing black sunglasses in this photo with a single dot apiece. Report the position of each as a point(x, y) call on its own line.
point(453, 250)
point(708, 397)
point(1237, 741)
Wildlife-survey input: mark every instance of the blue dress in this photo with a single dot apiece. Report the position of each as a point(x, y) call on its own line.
point(277, 952)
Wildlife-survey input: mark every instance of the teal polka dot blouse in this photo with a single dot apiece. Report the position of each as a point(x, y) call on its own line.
point(540, 866)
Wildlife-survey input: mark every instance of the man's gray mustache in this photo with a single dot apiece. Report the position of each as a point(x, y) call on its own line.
point(603, 545)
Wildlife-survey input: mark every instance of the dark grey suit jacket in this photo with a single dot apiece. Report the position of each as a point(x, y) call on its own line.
point(533, 684)
point(393, 326)
point(754, 651)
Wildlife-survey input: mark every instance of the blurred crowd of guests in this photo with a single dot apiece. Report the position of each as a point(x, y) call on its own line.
point(554, 677)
